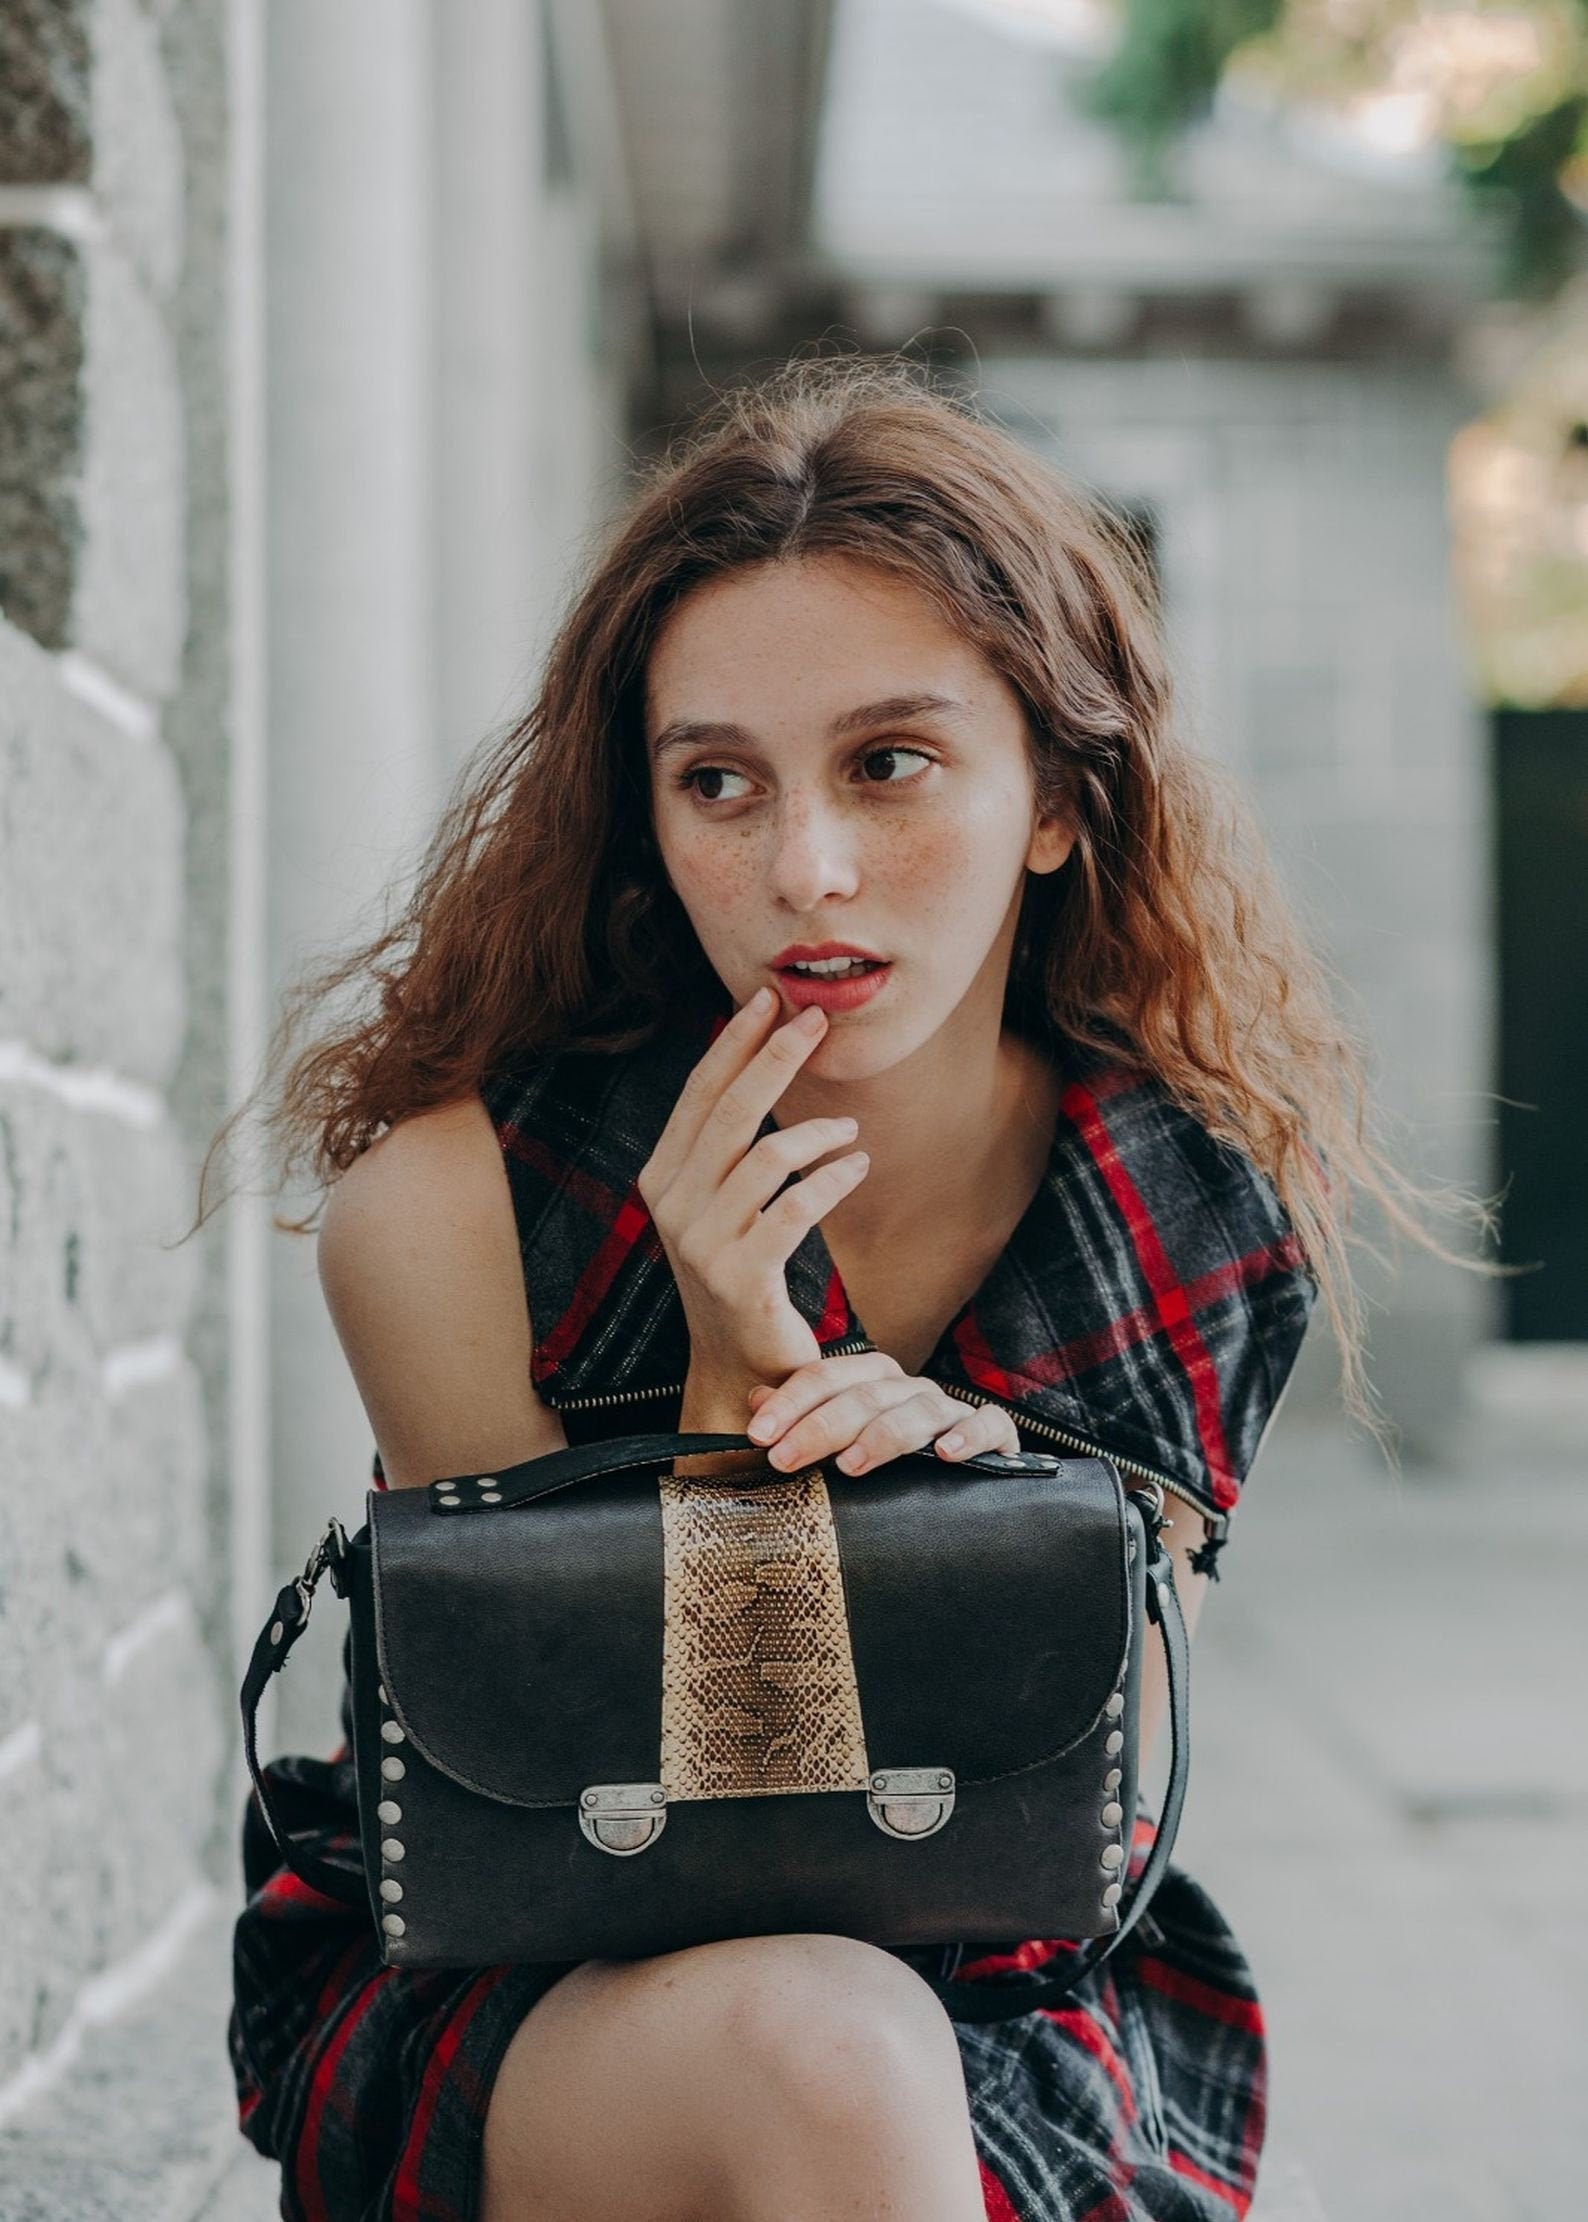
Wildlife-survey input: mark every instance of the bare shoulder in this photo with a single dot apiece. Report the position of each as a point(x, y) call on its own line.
point(419, 1264)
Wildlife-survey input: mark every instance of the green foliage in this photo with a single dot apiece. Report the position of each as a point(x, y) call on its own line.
point(1520, 176)
point(1173, 54)
point(1163, 74)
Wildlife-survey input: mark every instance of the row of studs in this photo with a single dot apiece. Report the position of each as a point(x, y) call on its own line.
point(392, 1848)
point(389, 1813)
point(483, 1484)
point(1113, 1855)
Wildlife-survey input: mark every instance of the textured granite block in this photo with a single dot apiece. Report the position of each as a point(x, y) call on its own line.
point(45, 130)
point(91, 860)
point(137, 174)
point(130, 607)
point(43, 294)
point(95, 1200)
point(91, 459)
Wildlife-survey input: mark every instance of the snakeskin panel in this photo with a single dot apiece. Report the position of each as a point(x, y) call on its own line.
point(758, 1682)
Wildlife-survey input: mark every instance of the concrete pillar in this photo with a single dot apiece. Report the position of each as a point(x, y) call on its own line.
point(354, 764)
point(490, 391)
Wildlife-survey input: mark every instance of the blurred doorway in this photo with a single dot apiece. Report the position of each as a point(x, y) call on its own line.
point(1540, 760)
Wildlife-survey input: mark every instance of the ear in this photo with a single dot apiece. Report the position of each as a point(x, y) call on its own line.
point(1051, 842)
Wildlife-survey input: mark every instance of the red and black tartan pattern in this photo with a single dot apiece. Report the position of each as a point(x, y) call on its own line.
point(1152, 1299)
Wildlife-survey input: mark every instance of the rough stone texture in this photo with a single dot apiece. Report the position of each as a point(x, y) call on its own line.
point(115, 1726)
point(145, 2127)
point(130, 605)
point(199, 730)
point(137, 148)
point(43, 293)
point(44, 99)
point(91, 833)
point(96, 1197)
point(90, 459)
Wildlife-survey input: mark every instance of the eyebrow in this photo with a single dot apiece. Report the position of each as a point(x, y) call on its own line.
point(690, 732)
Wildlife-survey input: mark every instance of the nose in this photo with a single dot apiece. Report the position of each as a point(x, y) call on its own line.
point(815, 853)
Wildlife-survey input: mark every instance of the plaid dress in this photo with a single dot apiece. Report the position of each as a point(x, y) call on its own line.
point(1151, 1300)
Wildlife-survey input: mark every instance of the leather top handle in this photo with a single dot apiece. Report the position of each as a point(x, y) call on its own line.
point(561, 1469)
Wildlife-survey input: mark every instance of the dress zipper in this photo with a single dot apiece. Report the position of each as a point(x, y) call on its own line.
point(856, 1344)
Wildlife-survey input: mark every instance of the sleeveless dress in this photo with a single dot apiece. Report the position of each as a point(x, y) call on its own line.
point(1151, 1302)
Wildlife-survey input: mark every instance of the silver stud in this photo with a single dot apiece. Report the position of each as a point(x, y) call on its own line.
point(1115, 1705)
point(393, 1924)
point(1112, 1893)
point(380, 1689)
point(490, 1496)
point(391, 1733)
point(391, 1848)
point(277, 1631)
point(1114, 1741)
point(488, 1481)
point(1112, 1815)
point(388, 1810)
point(393, 1769)
point(1111, 1780)
point(391, 1889)
point(1113, 1855)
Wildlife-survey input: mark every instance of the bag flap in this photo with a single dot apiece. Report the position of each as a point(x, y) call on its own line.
point(521, 1649)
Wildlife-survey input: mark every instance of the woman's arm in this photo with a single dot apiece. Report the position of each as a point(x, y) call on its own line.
point(419, 1262)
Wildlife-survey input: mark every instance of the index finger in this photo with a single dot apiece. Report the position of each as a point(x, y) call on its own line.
point(722, 1063)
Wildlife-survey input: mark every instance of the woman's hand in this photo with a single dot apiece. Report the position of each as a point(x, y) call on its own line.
point(708, 1186)
point(867, 1409)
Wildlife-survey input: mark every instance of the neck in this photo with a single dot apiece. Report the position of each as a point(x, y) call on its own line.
point(964, 1120)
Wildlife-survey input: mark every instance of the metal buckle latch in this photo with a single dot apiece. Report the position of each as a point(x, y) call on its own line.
point(623, 1817)
point(910, 1801)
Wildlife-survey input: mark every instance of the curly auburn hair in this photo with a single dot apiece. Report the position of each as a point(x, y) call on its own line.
point(539, 917)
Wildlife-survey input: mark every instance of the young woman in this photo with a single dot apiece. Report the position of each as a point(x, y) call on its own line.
point(841, 1007)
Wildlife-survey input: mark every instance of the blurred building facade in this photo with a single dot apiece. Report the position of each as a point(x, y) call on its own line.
point(326, 335)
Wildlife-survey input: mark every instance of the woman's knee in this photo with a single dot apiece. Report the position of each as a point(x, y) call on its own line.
point(825, 2025)
point(687, 2059)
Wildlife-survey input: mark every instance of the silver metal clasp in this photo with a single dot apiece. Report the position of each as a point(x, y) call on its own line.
point(329, 1552)
point(623, 1817)
point(910, 1801)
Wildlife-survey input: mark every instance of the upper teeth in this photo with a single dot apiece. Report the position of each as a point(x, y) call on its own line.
point(827, 964)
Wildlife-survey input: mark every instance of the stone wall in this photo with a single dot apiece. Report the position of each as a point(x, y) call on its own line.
point(113, 757)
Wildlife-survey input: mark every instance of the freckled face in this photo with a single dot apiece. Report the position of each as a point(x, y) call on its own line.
point(831, 762)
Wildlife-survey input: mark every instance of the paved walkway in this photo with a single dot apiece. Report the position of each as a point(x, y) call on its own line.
point(1389, 1800)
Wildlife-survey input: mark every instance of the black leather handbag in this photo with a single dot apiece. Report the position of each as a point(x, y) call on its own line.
point(603, 1710)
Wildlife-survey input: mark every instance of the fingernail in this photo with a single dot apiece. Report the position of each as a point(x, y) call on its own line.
point(762, 1427)
point(761, 998)
point(952, 1441)
point(811, 1019)
point(853, 1461)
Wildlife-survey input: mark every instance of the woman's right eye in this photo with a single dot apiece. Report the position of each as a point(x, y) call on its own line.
point(708, 771)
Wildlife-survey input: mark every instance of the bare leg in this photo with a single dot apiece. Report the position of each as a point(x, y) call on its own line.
point(762, 2079)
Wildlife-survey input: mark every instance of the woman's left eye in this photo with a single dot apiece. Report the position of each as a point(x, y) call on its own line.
point(891, 756)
